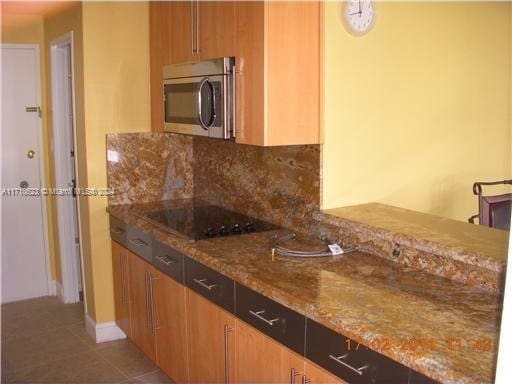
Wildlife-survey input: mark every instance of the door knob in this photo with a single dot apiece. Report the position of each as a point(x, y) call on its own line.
point(31, 154)
point(24, 184)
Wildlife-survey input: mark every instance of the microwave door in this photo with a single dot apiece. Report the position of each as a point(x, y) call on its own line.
point(181, 108)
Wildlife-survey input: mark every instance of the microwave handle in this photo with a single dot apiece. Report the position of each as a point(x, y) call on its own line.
point(199, 104)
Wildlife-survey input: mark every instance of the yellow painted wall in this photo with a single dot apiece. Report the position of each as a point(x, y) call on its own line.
point(29, 29)
point(116, 99)
point(419, 108)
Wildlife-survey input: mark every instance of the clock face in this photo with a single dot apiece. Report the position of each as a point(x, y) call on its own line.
point(358, 16)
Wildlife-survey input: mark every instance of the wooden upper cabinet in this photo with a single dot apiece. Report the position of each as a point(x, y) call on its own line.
point(159, 55)
point(216, 29)
point(184, 38)
point(278, 82)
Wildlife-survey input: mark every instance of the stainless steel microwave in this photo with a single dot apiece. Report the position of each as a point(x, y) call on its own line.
point(199, 98)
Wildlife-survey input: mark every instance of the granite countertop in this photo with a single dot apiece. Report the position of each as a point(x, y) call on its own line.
point(471, 244)
point(367, 298)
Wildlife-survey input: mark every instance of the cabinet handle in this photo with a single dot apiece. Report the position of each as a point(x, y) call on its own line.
point(124, 300)
point(227, 329)
point(340, 361)
point(198, 49)
point(202, 283)
point(139, 242)
point(293, 375)
point(233, 105)
point(192, 29)
point(148, 315)
point(167, 260)
point(117, 230)
point(258, 315)
point(305, 379)
point(152, 310)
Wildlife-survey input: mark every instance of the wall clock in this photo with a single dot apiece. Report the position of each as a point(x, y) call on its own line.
point(358, 16)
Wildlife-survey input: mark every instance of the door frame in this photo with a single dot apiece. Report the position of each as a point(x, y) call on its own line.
point(50, 282)
point(69, 292)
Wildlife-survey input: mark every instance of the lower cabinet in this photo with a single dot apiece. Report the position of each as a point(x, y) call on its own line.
point(316, 375)
point(171, 327)
point(211, 341)
point(121, 287)
point(141, 302)
point(262, 360)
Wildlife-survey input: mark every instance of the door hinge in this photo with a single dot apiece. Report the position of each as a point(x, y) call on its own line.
point(77, 240)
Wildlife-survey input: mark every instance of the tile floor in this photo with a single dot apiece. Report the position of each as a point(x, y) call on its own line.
point(44, 341)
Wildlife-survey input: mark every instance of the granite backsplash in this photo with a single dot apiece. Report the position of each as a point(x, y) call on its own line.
point(278, 184)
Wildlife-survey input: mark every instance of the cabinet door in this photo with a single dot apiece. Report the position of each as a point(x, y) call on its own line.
point(159, 55)
point(184, 29)
point(141, 306)
point(316, 375)
point(121, 287)
point(263, 360)
point(211, 341)
point(216, 29)
point(171, 327)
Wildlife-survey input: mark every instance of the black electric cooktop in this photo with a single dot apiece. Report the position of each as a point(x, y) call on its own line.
point(197, 221)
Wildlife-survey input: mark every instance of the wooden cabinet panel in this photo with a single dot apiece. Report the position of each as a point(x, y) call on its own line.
point(216, 29)
point(250, 79)
point(141, 309)
point(263, 360)
point(317, 375)
point(121, 287)
point(293, 59)
point(211, 341)
point(183, 31)
point(171, 327)
point(278, 59)
point(159, 55)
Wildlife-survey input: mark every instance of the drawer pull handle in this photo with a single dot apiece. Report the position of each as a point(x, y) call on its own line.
point(258, 315)
point(202, 283)
point(166, 260)
point(117, 230)
point(339, 360)
point(139, 242)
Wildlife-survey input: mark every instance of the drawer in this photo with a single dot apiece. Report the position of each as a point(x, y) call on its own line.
point(337, 354)
point(169, 261)
point(212, 285)
point(117, 230)
point(271, 318)
point(418, 378)
point(139, 242)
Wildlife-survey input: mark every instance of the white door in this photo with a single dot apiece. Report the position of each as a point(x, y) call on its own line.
point(23, 263)
point(65, 173)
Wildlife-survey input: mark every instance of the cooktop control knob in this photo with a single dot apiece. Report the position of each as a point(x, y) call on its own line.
point(210, 232)
point(223, 230)
point(249, 226)
point(237, 229)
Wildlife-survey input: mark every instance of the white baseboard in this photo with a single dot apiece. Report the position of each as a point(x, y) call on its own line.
point(59, 291)
point(52, 287)
point(103, 332)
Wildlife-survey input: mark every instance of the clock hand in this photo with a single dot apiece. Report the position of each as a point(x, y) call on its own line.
point(360, 7)
point(355, 13)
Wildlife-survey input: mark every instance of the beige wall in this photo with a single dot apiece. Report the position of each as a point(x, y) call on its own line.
point(420, 107)
point(116, 99)
point(29, 29)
